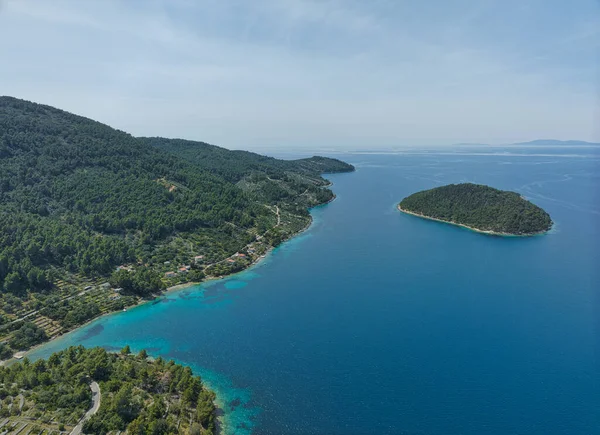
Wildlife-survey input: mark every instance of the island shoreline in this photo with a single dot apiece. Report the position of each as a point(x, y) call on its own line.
point(477, 230)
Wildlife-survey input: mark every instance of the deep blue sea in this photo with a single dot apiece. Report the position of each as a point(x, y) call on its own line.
point(376, 322)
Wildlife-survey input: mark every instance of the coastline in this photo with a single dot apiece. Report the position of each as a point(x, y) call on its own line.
point(255, 262)
point(172, 289)
point(221, 424)
point(477, 230)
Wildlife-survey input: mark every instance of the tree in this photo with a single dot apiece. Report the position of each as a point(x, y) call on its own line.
point(205, 411)
point(137, 427)
point(195, 429)
point(124, 404)
point(13, 283)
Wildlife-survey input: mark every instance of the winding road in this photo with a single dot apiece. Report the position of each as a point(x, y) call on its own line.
point(96, 396)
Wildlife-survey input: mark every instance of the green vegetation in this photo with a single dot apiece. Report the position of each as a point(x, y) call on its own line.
point(79, 199)
point(136, 395)
point(480, 207)
point(29, 334)
point(235, 165)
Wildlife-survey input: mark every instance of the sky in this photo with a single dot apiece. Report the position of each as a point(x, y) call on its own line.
point(296, 74)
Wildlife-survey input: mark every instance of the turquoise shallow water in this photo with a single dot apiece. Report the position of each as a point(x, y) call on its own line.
point(376, 322)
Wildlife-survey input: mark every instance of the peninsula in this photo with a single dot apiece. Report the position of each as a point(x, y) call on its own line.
point(480, 208)
point(92, 391)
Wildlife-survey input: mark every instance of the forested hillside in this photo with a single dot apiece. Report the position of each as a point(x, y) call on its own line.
point(134, 394)
point(79, 198)
point(480, 207)
point(235, 165)
point(79, 194)
point(287, 182)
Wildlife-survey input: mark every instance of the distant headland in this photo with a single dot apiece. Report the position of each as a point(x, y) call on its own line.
point(480, 208)
point(539, 142)
point(554, 142)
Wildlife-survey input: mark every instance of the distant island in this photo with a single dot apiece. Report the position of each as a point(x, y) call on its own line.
point(554, 142)
point(480, 208)
point(537, 142)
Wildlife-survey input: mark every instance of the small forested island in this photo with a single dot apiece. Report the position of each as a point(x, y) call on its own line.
point(93, 220)
point(480, 208)
point(93, 391)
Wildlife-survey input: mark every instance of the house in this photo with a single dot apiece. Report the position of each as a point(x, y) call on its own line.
point(241, 255)
point(19, 355)
point(183, 269)
point(199, 258)
point(230, 260)
point(166, 263)
point(170, 275)
point(118, 290)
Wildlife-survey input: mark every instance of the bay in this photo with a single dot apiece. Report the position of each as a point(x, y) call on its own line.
point(376, 322)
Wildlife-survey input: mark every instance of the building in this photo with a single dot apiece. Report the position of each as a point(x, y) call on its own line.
point(199, 258)
point(170, 275)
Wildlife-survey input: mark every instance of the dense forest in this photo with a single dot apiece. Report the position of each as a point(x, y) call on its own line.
point(79, 196)
point(294, 184)
point(137, 395)
point(480, 207)
point(92, 219)
point(235, 165)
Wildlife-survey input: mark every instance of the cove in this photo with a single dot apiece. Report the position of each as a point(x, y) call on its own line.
point(375, 322)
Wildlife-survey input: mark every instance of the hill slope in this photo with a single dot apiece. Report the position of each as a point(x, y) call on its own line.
point(234, 165)
point(78, 198)
point(479, 207)
point(271, 180)
point(79, 194)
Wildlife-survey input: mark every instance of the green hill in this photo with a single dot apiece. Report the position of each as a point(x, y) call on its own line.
point(79, 198)
point(479, 207)
point(295, 182)
point(235, 165)
point(79, 194)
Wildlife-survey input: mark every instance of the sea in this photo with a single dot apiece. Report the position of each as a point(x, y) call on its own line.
point(377, 322)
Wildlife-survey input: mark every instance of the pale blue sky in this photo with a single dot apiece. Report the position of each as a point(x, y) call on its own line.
point(312, 73)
